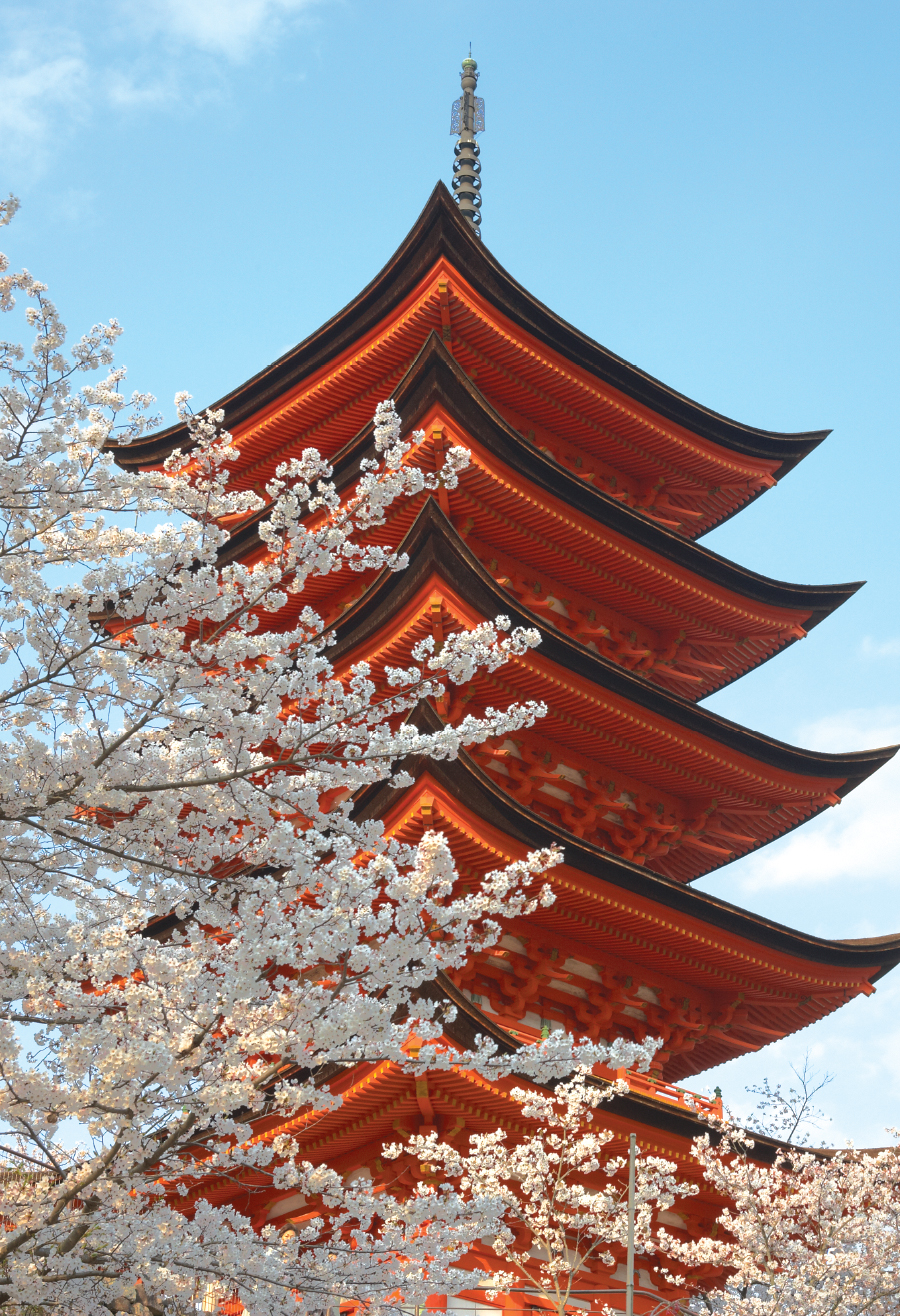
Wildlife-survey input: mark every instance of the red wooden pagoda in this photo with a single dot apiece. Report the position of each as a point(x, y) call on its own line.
point(588, 485)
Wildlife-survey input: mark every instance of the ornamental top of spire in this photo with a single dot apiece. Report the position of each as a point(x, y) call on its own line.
point(467, 119)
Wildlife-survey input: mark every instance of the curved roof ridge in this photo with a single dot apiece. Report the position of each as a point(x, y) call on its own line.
point(480, 589)
point(810, 437)
point(888, 939)
point(466, 781)
point(538, 468)
point(441, 230)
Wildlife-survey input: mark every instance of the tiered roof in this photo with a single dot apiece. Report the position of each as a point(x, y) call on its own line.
point(593, 567)
point(588, 484)
point(383, 1104)
point(688, 790)
point(623, 950)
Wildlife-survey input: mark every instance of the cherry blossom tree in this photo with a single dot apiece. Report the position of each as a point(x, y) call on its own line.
point(814, 1234)
point(790, 1116)
point(559, 1200)
point(194, 923)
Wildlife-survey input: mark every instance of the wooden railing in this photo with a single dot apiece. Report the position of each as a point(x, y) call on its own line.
point(670, 1094)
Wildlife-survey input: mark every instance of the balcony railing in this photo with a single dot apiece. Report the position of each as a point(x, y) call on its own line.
point(671, 1095)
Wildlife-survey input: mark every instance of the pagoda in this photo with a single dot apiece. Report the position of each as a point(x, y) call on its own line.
point(588, 487)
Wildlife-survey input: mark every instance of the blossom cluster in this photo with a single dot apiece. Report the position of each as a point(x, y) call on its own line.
point(812, 1234)
point(554, 1203)
point(191, 911)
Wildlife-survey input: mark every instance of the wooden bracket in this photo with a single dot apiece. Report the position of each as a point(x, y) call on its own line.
point(446, 330)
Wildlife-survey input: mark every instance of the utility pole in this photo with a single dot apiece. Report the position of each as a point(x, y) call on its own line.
point(629, 1262)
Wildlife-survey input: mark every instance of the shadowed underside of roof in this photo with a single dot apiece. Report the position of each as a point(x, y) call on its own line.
point(433, 545)
point(699, 620)
point(466, 782)
point(623, 951)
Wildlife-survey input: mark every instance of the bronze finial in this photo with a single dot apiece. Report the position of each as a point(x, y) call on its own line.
point(467, 119)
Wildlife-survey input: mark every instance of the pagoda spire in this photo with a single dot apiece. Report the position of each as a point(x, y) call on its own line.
point(467, 119)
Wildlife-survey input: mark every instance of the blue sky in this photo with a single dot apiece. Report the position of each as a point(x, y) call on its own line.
point(709, 189)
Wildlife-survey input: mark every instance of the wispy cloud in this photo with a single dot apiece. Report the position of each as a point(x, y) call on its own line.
point(52, 82)
point(837, 875)
point(852, 728)
point(124, 91)
point(843, 1045)
point(231, 28)
point(43, 86)
point(62, 66)
point(879, 648)
point(857, 840)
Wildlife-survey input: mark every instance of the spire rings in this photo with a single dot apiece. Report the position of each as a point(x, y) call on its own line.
point(467, 119)
point(474, 165)
point(470, 191)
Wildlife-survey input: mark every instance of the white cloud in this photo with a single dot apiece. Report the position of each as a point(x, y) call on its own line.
point(840, 870)
point(857, 840)
point(125, 92)
point(42, 93)
point(852, 728)
point(222, 27)
point(61, 66)
point(859, 1044)
point(879, 648)
point(838, 876)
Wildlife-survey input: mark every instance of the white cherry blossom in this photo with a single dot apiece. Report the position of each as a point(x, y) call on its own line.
point(554, 1203)
point(194, 924)
point(817, 1233)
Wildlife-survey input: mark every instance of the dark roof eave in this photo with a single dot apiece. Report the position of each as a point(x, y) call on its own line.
point(440, 230)
point(433, 544)
point(634, 1107)
point(436, 376)
point(464, 780)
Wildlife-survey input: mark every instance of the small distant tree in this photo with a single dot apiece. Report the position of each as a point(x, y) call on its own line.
point(562, 1202)
point(790, 1116)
